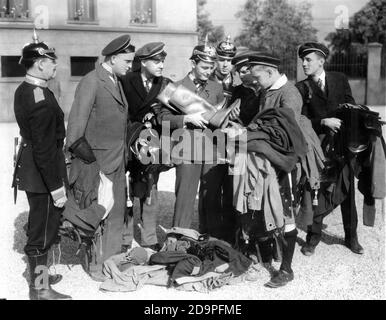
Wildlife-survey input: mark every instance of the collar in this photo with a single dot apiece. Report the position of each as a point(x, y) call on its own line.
point(36, 81)
point(322, 77)
point(144, 79)
point(279, 83)
point(112, 76)
point(107, 67)
point(195, 80)
point(226, 79)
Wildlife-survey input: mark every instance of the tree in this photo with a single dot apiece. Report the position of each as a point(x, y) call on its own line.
point(367, 25)
point(275, 25)
point(349, 46)
point(206, 27)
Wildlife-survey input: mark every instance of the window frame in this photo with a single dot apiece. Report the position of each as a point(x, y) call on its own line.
point(154, 15)
point(10, 78)
point(18, 19)
point(77, 77)
point(71, 20)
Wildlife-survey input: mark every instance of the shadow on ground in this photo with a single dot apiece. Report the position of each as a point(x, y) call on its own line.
point(68, 248)
point(65, 254)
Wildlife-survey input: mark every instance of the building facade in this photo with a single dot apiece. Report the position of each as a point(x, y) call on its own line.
point(79, 29)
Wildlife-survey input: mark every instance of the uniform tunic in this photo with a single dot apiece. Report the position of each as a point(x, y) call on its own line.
point(40, 167)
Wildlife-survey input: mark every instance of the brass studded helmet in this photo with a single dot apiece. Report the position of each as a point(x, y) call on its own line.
point(35, 50)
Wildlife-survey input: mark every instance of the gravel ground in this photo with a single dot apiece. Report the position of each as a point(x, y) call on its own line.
point(332, 273)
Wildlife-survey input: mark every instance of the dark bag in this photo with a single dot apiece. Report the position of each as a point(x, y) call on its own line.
point(82, 150)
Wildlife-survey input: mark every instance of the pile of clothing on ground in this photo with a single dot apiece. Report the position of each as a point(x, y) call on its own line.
point(187, 261)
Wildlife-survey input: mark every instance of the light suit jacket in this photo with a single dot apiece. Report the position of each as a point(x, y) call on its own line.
point(100, 114)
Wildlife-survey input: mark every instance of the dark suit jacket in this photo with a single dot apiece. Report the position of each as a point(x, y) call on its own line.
point(100, 114)
point(249, 103)
point(318, 105)
point(40, 163)
point(138, 99)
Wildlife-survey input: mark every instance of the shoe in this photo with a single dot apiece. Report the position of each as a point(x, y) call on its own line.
point(46, 292)
point(308, 249)
point(353, 245)
point(280, 280)
point(271, 269)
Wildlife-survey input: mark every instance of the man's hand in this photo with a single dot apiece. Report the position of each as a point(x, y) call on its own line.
point(59, 197)
point(233, 130)
point(333, 123)
point(196, 119)
point(105, 194)
point(235, 110)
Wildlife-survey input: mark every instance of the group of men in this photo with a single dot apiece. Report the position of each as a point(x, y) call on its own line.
point(112, 100)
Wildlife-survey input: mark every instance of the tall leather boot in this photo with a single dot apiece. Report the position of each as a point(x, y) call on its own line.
point(351, 241)
point(266, 248)
point(41, 290)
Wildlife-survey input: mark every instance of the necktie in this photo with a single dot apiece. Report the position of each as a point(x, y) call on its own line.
point(320, 84)
point(148, 85)
point(200, 84)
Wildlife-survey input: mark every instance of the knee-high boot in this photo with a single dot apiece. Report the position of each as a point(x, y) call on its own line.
point(40, 288)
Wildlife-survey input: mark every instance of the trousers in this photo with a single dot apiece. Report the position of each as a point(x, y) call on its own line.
point(349, 217)
point(108, 240)
point(210, 177)
point(43, 223)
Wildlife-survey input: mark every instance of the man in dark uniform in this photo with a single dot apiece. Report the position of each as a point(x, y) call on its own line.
point(322, 92)
point(96, 138)
point(189, 173)
point(225, 76)
point(223, 73)
point(40, 168)
point(248, 91)
point(141, 89)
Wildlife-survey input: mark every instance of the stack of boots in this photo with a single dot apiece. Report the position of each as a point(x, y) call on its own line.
point(40, 286)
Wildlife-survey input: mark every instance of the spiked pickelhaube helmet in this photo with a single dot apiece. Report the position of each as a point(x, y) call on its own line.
point(36, 50)
point(204, 52)
point(226, 49)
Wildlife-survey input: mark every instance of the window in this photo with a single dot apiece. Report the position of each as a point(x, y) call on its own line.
point(14, 9)
point(81, 10)
point(142, 12)
point(80, 66)
point(10, 67)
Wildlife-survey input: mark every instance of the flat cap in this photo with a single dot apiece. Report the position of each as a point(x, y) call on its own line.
point(241, 57)
point(151, 50)
point(118, 45)
point(226, 49)
point(205, 53)
point(264, 59)
point(309, 47)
